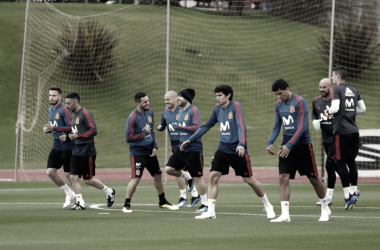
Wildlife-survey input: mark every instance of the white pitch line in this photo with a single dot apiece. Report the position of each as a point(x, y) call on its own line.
point(97, 206)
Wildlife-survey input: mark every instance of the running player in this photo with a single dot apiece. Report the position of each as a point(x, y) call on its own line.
point(232, 149)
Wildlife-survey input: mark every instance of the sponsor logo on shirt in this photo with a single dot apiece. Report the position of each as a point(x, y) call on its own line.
point(349, 92)
point(224, 127)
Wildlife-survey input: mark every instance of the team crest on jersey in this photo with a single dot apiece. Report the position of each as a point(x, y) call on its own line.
point(77, 120)
point(230, 115)
point(186, 117)
point(292, 109)
point(177, 117)
point(149, 118)
point(56, 116)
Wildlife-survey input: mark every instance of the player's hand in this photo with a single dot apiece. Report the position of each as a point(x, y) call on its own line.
point(73, 136)
point(159, 127)
point(240, 150)
point(326, 113)
point(284, 151)
point(317, 124)
point(184, 144)
point(148, 128)
point(154, 152)
point(270, 150)
point(48, 127)
point(62, 138)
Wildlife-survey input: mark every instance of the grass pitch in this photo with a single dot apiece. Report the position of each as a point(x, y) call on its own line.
point(32, 217)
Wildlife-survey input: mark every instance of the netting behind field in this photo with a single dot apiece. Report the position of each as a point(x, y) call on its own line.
point(107, 58)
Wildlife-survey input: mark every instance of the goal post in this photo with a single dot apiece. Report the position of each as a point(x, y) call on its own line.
point(108, 57)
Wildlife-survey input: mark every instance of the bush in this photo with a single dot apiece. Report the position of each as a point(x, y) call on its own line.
point(355, 45)
point(88, 53)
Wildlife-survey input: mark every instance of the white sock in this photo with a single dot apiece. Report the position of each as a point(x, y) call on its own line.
point(346, 192)
point(186, 175)
point(194, 192)
point(285, 208)
point(354, 189)
point(107, 190)
point(204, 199)
point(265, 201)
point(80, 199)
point(330, 193)
point(323, 203)
point(182, 193)
point(211, 206)
point(66, 189)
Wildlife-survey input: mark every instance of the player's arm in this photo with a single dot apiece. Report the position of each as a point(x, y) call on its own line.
point(90, 124)
point(361, 108)
point(66, 120)
point(155, 145)
point(162, 125)
point(335, 102)
point(239, 119)
point(211, 121)
point(334, 108)
point(196, 119)
point(314, 118)
point(130, 134)
point(274, 133)
point(302, 126)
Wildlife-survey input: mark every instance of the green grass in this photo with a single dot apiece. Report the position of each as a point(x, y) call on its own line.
point(32, 218)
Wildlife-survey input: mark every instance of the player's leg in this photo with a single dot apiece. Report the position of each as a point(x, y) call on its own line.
point(182, 191)
point(284, 197)
point(88, 177)
point(213, 194)
point(343, 153)
point(175, 165)
point(154, 169)
point(331, 168)
point(218, 164)
point(55, 161)
point(194, 164)
point(75, 173)
point(138, 163)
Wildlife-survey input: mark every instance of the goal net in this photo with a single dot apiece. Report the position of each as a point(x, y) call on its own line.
point(151, 47)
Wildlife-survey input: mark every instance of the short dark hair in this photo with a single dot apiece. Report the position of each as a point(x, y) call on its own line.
point(139, 95)
point(279, 84)
point(74, 96)
point(342, 71)
point(225, 89)
point(56, 89)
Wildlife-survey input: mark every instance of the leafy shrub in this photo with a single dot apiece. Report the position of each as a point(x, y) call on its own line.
point(355, 45)
point(88, 51)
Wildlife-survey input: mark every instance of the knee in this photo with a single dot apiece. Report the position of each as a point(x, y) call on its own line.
point(169, 170)
point(87, 181)
point(50, 172)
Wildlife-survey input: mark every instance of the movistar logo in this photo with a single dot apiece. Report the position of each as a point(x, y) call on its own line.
point(287, 121)
point(171, 127)
point(224, 127)
point(350, 102)
point(138, 164)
